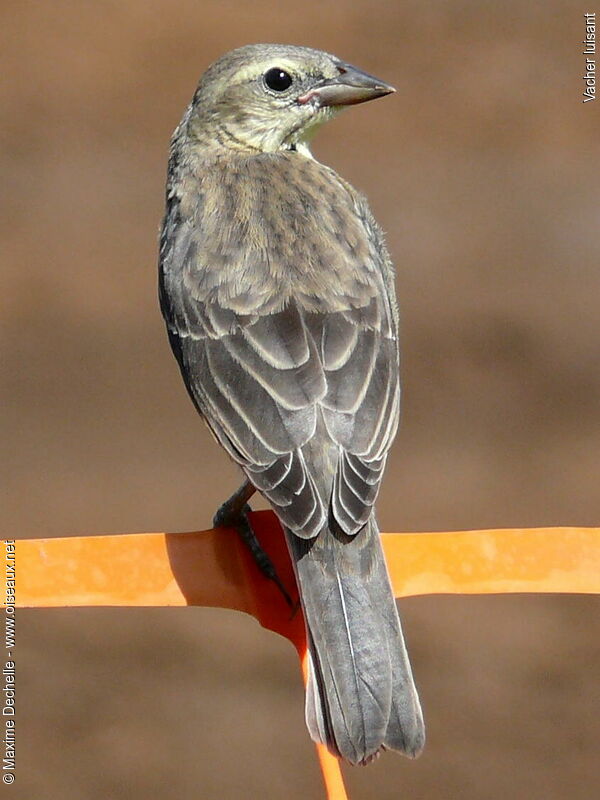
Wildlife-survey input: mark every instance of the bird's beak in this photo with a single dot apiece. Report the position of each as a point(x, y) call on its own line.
point(350, 87)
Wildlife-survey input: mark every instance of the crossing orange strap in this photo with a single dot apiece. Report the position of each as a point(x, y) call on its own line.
point(213, 568)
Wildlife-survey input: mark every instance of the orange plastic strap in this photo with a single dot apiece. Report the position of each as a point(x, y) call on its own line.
point(213, 568)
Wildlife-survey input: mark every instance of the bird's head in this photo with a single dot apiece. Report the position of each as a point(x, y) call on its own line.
point(269, 97)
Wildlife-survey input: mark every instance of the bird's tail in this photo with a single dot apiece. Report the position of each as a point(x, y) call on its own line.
point(360, 697)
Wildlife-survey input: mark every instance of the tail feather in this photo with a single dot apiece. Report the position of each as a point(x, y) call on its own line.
point(406, 731)
point(361, 695)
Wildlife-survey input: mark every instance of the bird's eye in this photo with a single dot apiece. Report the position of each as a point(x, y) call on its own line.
point(278, 80)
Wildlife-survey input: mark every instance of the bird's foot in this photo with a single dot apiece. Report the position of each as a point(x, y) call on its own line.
point(230, 515)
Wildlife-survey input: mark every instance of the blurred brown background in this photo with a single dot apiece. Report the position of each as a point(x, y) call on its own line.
point(483, 169)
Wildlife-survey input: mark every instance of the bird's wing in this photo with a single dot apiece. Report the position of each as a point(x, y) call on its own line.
point(281, 378)
point(361, 406)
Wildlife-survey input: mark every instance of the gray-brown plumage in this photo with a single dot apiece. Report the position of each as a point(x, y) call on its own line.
point(278, 294)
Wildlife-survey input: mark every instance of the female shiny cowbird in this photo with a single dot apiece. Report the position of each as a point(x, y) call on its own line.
point(278, 295)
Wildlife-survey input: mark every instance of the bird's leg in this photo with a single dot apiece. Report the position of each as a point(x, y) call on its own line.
point(229, 513)
point(234, 514)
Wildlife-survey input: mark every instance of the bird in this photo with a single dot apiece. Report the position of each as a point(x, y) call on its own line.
point(277, 291)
